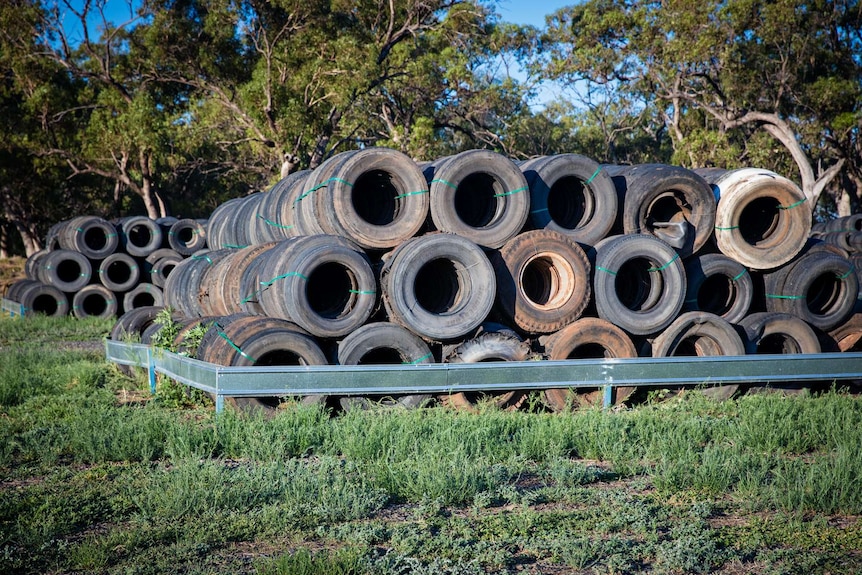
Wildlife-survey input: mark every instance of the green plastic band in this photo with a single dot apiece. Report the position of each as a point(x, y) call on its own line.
point(539, 211)
point(79, 230)
point(249, 298)
point(271, 223)
point(234, 247)
point(524, 189)
point(416, 193)
point(793, 205)
point(415, 361)
point(323, 184)
point(235, 346)
point(844, 276)
point(450, 184)
point(676, 257)
point(283, 276)
point(596, 173)
point(600, 268)
point(363, 292)
point(727, 228)
point(207, 258)
point(778, 296)
point(739, 275)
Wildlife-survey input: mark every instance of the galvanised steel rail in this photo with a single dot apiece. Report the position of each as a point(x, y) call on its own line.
point(222, 381)
point(13, 308)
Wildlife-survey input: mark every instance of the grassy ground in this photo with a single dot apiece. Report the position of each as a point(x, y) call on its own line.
point(11, 269)
point(97, 477)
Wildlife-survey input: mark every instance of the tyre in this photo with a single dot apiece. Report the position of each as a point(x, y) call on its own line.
point(322, 283)
point(274, 218)
point(383, 343)
point(487, 347)
point(587, 338)
point(310, 205)
point(220, 289)
point(143, 295)
point(439, 286)
point(777, 333)
point(39, 298)
point(376, 197)
point(89, 235)
point(669, 202)
point(571, 194)
point(762, 219)
point(543, 280)
point(719, 285)
point(119, 272)
point(479, 195)
point(94, 300)
point(140, 236)
point(848, 335)
point(819, 287)
point(67, 270)
point(132, 323)
point(183, 285)
point(639, 283)
point(187, 236)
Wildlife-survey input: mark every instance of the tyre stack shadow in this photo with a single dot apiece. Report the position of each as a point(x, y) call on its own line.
point(374, 258)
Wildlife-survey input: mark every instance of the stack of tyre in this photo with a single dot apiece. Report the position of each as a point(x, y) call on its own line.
point(94, 267)
point(373, 258)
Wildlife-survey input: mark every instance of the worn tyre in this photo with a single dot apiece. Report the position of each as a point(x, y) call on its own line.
point(439, 286)
point(140, 236)
point(143, 295)
point(323, 283)
point(777, 333)
point(92, 236)
point(639, 283)
point(187, 236)
point(67, 270)
point(94, 300)
point(376, 197)
point(119, 272)
point(39, 298)
point(571, 194)
point(819, 287)
point(543, 280)
point(762, 219)
point(479, 195)
point(383, 343)
point(489, 346)
point(669, 202)
point(587, 338)
point(719, 285)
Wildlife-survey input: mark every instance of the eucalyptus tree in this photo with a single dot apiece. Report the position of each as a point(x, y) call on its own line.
point(724, 73)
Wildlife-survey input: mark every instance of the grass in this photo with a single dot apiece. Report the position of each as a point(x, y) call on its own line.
point(91, 483)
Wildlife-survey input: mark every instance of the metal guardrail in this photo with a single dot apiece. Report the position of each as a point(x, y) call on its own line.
point(12, 308)
point(222, 381)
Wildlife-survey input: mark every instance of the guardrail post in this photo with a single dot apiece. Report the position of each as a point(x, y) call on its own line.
point(151, 370)
point(607, 395)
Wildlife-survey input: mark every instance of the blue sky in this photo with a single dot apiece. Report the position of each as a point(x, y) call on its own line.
point(530, 11)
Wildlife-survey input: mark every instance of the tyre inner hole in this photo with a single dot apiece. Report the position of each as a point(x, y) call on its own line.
point(570, 204)
point(143, 299)
point(382, 356)
point(329, 290)
point(185, 235)
point(438, 287)
point(475, 202)
point(779, 343)
point(759, 220)
point(280, 357)
point(824, 294)
point(45, 304)
point(668, 207)
point(717, 294)
point(94, 304)
point(637, 288)
point(546, 281)
point(375, 198)
point(590, 350)
point(118, 272)
point(68, 271)
point(139, 236)
point(95, 238)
